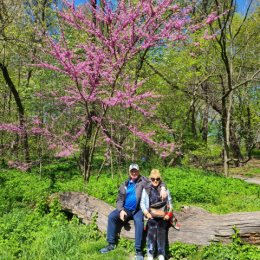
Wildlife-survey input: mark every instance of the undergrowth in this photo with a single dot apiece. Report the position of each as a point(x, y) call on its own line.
point(33, 226)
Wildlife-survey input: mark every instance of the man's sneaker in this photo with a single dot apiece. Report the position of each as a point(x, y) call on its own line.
point(107, 249)
point(139, 256)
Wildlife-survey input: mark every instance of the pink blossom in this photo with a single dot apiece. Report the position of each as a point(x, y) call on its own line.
point(196, 27)
point(13, 128)
point(99, 80)
point(52, 146)
point(164, 154)
point(211, 18)
point(36, 130)
point(175, 7)
point(209, 37)
point(64, 153)
point(19, 165)
point(36, 121)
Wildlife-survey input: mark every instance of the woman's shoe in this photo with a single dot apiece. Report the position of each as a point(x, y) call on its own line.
point(161, 257)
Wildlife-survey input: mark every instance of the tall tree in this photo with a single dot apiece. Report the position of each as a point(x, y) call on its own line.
point(98, 69)
point(227, 33)
point(216, 83)
point(7, 17)
point(18, 41)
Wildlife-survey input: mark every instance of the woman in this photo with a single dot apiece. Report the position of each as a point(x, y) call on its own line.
point(158, 212)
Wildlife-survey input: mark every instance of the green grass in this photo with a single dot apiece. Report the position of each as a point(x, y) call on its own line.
point(214, 193)
point(256, 153)
point(254, 171)
point(34, 228)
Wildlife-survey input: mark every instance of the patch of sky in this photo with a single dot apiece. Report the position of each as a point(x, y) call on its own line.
point(242, 5)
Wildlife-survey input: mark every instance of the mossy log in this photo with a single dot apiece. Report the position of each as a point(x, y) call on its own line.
point(197, 225)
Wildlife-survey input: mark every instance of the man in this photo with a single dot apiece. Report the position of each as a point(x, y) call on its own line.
point(128, 207)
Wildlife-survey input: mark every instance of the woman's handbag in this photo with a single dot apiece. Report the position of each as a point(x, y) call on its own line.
point(157, 210)
point(157, 213)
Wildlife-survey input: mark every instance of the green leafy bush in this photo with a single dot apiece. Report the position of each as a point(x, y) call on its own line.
point(236, 250)
point(181, 251)
point(33, 226)
point(214, 193)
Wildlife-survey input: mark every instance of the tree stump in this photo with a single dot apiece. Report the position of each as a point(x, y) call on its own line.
point(197, 225)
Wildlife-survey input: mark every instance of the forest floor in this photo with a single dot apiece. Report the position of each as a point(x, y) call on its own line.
point(249, 173)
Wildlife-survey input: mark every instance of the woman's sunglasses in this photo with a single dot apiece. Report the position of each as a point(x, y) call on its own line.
point(155, 179)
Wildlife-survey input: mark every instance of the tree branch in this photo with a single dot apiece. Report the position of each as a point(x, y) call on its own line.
point(240, 84)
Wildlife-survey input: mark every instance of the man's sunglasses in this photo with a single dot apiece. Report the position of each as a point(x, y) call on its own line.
point(155, 179)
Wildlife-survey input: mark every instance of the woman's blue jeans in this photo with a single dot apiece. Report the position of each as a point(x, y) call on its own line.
point(157, 236)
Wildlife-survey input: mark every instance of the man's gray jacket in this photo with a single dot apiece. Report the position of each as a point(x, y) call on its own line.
point(141, 183)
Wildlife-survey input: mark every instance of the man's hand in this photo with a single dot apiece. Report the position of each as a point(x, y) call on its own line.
point(123, 214)
point(163, 193)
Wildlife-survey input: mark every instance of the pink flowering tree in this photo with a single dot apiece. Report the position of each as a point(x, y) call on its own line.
point(113, 38)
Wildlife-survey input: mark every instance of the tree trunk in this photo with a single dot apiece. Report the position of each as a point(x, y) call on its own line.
point(197, 225)
point(88, 149)
point(20, 108)
point(234, 145)
point(193, 111)
point(205, 117)
point(225, 136)
point(193, 120)
point(249, 137)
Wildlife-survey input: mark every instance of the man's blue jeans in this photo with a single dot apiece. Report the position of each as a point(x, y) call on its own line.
point(115, 223)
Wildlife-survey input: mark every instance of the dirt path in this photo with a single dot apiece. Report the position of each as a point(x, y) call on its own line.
point(252, 180)
point(249, 173)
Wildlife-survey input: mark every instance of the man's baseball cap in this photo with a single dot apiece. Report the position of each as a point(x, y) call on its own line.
point(133, 166)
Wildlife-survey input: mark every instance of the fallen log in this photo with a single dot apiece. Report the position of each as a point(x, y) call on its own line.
point(197, 225)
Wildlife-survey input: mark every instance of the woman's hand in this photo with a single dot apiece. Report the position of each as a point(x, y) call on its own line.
point(149, 215)
point(166, 217)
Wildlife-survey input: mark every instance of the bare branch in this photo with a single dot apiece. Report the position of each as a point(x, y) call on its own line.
point(245, 17)
point(240, 84)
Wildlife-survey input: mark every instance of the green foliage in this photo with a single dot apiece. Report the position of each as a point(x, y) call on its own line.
point(216, 251)
point(256, 153)
point(182, 251)
point(33, 226)
point(187, 185)
point(236, 250)
point(93, 232)
point(200, 154)
point(253, 172)
point(214, 193)
point(20, 189)
point(106, 188)
point(127, 244)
